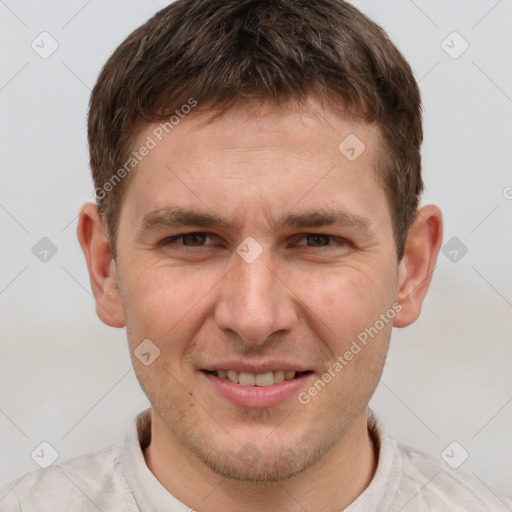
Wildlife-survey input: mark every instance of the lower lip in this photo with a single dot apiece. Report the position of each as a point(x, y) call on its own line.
point(258, 397)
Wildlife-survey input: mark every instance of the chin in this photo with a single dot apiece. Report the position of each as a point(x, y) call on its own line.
point(265, 461)
point(262, 469)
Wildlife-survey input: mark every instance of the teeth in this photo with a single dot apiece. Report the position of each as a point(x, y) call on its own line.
point(246, 379)
point(259, 379)
point(278, 376)
point(265, 379)
point(232, 375)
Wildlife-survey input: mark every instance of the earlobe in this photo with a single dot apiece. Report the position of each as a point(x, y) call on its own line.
point(101, 266)
point(415, 270)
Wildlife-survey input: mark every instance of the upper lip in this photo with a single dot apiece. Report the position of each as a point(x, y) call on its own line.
point(269, 366)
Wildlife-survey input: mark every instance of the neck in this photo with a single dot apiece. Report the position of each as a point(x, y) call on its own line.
point(331, 484)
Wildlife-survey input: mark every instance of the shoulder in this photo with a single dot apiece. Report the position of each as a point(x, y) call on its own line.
point(410, 480)
point(88, 482)
point(429, 484)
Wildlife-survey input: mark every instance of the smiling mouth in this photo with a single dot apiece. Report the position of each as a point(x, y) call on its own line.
point(257, 379)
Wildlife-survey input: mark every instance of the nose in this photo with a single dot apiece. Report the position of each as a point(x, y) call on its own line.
point(256, 301)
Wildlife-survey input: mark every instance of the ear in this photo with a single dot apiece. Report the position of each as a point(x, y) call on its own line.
point(102, 271)
point(415, 270)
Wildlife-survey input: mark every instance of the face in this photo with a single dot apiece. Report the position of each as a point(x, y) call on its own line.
point(252, 250)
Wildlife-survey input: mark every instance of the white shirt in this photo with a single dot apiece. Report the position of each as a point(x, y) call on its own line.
point(117, 479)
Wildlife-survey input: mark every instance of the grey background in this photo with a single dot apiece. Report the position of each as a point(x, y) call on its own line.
point(66, 378)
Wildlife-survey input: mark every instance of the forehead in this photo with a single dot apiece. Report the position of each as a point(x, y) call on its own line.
point(256, 156)
point(306, 129)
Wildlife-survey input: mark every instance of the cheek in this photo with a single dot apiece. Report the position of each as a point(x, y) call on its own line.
point(346, 299)
point(349, 302)
point(164, 302)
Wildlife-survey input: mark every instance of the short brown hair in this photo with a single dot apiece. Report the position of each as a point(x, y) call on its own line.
point(222, 52)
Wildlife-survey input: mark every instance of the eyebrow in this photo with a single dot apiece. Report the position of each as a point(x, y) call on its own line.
point(175, 217)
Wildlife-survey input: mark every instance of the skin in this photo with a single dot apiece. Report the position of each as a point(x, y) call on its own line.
point(303, 301)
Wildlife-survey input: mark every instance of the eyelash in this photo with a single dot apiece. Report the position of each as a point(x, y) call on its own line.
point(339, 241)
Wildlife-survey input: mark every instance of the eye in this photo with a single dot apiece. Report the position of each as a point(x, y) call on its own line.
point(187, 239)
point(198, 239)
point(321, 240)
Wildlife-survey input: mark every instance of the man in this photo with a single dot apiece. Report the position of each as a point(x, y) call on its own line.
point(257, 231)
